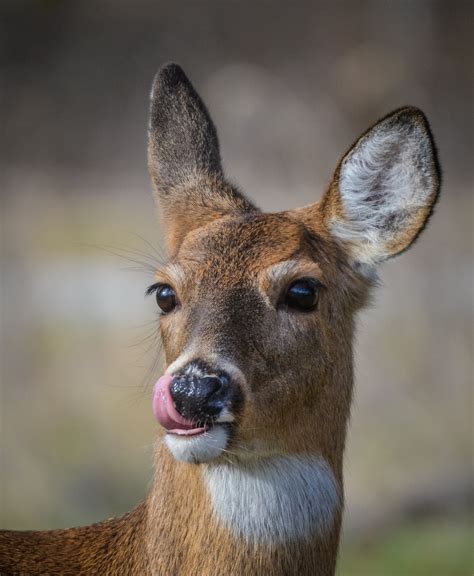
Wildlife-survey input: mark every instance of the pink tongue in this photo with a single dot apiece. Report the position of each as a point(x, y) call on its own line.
point(166, 413)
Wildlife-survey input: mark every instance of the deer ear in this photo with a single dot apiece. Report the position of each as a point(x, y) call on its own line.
point(384, 188)
point(184, 159)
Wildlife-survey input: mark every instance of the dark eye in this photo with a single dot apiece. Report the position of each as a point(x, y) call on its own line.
point(302, 295)
point(165, 297)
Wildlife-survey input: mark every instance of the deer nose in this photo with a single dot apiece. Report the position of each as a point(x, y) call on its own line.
point(200, 398)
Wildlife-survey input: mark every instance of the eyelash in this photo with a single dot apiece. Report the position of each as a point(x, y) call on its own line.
point(153, 288)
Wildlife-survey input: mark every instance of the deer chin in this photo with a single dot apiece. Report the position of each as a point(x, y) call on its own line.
point(201, 447)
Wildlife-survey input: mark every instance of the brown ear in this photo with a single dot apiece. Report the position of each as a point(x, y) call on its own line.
point(384, 188)
point(184, 159)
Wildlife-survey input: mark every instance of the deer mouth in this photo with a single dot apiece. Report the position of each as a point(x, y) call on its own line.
point(165, 412)
point(191, 441)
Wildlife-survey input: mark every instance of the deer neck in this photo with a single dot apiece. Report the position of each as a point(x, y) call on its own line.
point(274, 511)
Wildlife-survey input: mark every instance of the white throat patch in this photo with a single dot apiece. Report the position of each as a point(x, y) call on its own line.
point(274, 500)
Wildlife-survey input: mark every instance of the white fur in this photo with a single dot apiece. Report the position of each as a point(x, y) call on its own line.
point(200, 448)
point(225, 416)
point(182, 360)
point(173, 272)
point(384, 181)
point(216, 361)
point(276, 499)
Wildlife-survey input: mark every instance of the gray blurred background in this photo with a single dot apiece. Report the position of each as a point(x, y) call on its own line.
point(290, 86)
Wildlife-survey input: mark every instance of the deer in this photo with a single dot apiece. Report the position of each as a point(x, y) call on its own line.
point(257, 319)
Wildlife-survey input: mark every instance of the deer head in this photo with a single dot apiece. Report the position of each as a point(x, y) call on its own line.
point(258, 309)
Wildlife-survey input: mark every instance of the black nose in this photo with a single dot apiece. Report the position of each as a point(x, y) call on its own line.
point(200, 398)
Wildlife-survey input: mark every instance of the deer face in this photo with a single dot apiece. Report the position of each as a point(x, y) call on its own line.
point(247, 339)
point(258, 309)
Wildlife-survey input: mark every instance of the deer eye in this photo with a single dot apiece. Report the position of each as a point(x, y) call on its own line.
point(165, 297)
point(302, 295)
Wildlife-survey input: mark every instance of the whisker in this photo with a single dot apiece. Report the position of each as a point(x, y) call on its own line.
point(155, 250)
point(142, 259)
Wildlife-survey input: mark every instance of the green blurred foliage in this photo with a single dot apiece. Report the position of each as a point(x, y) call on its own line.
point(436, 548)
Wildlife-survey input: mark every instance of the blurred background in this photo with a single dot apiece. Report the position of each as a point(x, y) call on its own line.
point(290, 86)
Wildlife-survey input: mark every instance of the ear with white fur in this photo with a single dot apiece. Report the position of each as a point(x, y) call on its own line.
point(384, 188)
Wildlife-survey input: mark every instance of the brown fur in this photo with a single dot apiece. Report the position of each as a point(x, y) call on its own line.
point(115, 546)
point(228, 265)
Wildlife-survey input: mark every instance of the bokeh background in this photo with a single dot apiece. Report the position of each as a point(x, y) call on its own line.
point(290, 86)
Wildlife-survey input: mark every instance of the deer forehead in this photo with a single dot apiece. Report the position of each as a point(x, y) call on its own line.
point(241, 248)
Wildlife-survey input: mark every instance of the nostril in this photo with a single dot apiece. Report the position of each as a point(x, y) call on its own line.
point(199, 397)
point(210, 385)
